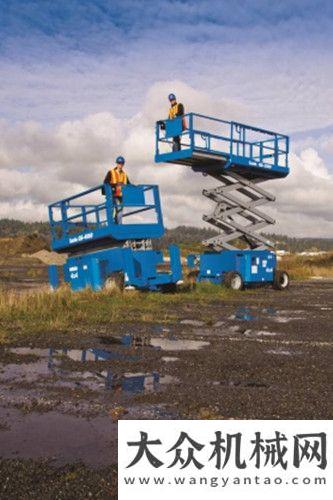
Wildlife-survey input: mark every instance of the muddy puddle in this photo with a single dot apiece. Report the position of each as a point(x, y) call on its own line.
point(260, 333)
point(63, 438)
point(178, 344)
point(283, 352)
point(58, 437)
point(47, 371)
point(165, 341)
point(245, 313)
point(39, 420)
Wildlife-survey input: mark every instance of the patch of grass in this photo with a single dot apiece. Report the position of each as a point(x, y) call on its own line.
point(207, 290)
point(64, 310)
point(304, 267)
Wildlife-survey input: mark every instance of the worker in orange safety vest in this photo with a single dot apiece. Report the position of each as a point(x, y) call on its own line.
point(117, 177)
point(176, 111)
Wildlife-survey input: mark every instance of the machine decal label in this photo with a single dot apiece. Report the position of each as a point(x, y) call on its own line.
point(254, 269)
point(81, 237)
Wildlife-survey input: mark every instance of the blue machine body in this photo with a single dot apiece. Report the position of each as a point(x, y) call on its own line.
point(140, 268)
point(210, 143)
point(82, 224)
point(254, 266)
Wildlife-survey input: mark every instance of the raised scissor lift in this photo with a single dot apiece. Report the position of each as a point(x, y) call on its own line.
point(239, 157)
point(99, 249)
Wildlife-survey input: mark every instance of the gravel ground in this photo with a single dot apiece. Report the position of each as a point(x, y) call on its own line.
point(262, 355)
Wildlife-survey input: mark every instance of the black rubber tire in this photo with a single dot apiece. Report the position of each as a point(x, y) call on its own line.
point(281, 280)
point(233, 280)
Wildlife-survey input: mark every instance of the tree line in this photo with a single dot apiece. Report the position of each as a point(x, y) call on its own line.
point(178, 235)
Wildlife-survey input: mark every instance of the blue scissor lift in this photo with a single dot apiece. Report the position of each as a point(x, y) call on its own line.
point(240, 158)
point(102, 252)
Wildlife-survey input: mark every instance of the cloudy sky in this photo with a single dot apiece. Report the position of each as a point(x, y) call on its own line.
point(82, 81)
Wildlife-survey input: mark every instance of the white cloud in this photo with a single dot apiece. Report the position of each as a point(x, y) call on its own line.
point(26, 211)
point(39, 165)
point(304, 204)
point(312, 163)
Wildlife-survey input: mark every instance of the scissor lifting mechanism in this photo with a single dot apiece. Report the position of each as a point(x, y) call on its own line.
point(103, 253)
point(240, 158)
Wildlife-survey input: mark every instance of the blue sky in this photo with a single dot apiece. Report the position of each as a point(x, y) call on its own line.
point(87, 55)
point(68, 64)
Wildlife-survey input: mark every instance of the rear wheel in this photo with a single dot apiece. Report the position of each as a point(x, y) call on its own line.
point(233, 280)
point(281, 280)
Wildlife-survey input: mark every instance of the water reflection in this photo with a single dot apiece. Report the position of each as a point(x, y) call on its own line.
point(247, 314)
point(178, 345)
point(84, 355)
point(167, 342)
point(49, 365)
point(128, 340)
point(135, 383)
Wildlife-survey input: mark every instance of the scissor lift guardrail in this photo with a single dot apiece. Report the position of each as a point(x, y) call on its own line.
point(87, 219)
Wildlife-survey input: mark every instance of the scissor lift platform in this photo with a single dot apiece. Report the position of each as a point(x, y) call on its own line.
point(88, 219)
point(240, 157)
point(213, 145)
point(104, 250)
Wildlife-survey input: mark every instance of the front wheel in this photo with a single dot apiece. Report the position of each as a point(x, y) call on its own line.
point(281, 280)
point(233, 280)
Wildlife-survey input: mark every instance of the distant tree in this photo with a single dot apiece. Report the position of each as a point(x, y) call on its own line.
point(12, 227)
point(185, 235)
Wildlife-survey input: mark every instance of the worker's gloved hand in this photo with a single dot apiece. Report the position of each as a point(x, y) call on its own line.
point(161, 123)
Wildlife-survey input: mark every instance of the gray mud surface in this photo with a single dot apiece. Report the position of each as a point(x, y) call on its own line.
point(262, 355)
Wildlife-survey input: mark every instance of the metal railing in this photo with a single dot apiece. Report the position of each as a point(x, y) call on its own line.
point(74, 216)
point(234, 139)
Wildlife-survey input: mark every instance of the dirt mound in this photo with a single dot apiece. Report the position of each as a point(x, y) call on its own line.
point(49, 257)
point(13, 247)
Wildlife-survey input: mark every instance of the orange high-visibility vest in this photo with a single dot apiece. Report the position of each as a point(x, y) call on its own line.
point(118, 179)
point(173, 111)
